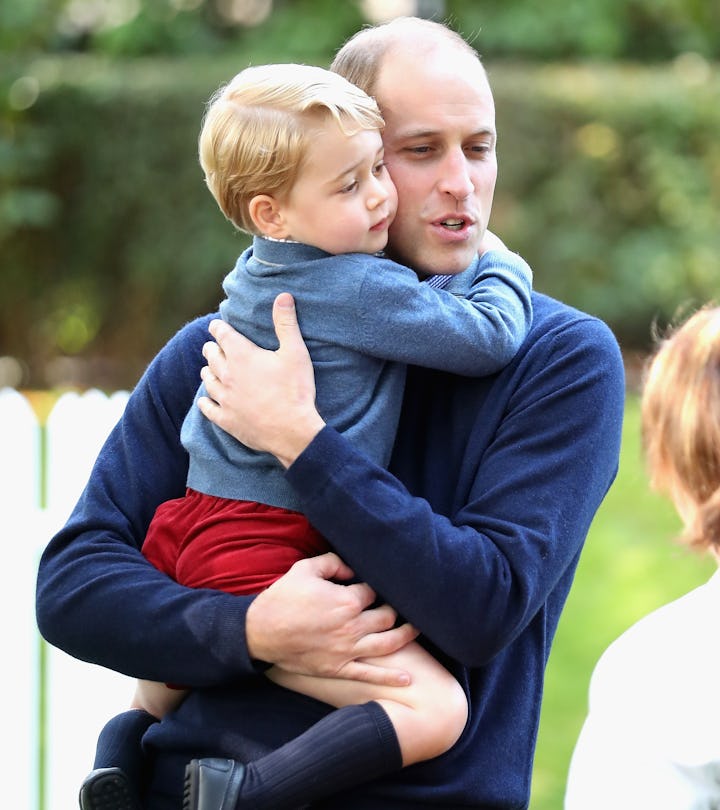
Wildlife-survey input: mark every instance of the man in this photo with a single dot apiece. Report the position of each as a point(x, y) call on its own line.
point(472, 537)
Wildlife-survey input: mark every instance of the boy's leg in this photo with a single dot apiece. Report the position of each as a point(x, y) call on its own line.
point(120, 743)
point(119, 768)
point(428, 715)
point(108, 789)
point(350, 746)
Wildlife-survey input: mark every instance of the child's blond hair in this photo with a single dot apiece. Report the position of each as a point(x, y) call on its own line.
point(681, 425)
point(257, 128)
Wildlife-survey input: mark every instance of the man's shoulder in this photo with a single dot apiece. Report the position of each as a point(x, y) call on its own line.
point(572, 344)
point(552, 317)
point(184, 349)
point(191, 330)
point(552, 309)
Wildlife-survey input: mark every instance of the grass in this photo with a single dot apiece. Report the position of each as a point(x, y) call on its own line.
point(630, 566)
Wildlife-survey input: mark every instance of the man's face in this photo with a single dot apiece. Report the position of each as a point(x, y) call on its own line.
point(440, 150)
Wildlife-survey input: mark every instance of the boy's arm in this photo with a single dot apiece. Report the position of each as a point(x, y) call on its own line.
point(474, 328)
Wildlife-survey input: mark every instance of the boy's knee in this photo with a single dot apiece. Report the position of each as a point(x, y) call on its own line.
point(454, 711)
point(445, 716)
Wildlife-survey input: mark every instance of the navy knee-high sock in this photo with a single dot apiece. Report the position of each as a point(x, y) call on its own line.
point(120, 744)
point(350, 746)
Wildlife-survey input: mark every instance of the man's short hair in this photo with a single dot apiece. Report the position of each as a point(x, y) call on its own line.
point(360, 58)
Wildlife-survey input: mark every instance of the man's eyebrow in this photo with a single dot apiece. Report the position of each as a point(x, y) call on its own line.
point(412, 134)
point(417, 133)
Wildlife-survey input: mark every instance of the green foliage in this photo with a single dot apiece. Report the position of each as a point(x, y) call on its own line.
point(609, 185)
point(631, 565)
point(644, 30)
point(123, 28)
point(28, 26)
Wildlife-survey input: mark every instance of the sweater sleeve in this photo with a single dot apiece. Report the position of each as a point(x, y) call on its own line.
point(97, 597)
point(541, 454)
point(473, 332)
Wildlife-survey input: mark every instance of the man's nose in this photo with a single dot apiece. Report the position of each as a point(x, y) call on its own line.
point(455, 176)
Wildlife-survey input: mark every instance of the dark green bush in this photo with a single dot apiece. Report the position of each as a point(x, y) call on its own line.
point(545, 30)
point(639, 30)
point(609, 185)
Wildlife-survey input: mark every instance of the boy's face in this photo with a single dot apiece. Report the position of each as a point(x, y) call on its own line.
point(343, 200)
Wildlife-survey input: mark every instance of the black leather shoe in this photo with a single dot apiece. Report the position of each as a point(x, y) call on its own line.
point(108, 789)
point(212, 784)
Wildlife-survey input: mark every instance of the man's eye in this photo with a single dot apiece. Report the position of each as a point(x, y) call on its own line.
point(418, 150)
point(480, 149)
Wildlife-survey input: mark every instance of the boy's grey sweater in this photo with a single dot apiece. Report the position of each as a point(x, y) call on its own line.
point(363, 319)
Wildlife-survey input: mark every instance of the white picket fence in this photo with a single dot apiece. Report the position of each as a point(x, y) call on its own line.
point(48, 737)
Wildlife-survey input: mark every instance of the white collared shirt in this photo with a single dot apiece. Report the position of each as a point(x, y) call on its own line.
point(651, 740)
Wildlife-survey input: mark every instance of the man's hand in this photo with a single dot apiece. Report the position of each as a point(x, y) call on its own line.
point(265, 399)
point(307, 624)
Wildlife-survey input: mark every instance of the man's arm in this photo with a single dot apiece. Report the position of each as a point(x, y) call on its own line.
point(548, 461)
point(101, 601)
point(97, 597)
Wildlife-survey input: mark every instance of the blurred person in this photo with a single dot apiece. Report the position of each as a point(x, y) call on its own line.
point(472, 535)
point(293, 155)
point(651, 735)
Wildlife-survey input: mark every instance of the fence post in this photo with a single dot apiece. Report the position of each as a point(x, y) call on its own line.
point(22, 525)
point(80, 697)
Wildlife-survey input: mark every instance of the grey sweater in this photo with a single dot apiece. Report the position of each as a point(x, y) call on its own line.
point(363, 319)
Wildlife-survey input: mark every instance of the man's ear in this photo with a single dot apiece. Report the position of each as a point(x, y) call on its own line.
point(266, 212)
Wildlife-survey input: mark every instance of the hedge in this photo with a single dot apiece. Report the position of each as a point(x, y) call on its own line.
point(609, 185)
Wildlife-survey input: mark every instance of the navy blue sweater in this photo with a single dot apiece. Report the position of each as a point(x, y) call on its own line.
point(473, 536)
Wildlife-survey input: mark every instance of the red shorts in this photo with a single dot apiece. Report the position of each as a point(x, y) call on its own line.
point(240, 547)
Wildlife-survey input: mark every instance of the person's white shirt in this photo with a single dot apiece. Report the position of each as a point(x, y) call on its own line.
point(651, 740)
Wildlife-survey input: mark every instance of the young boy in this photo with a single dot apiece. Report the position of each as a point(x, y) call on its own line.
point(293, 155)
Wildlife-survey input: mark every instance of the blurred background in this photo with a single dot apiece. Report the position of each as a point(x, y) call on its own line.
point(609, 151)
point(608, 115)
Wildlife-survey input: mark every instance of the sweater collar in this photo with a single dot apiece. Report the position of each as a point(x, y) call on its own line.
point(280, 252)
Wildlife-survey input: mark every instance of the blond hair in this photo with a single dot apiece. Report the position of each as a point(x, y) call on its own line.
point(257, 128)
point(681, 425)
point(359, 60)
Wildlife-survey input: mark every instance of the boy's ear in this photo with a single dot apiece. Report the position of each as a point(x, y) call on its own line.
point(266, 212)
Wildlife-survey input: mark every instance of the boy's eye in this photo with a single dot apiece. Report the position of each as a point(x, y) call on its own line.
point(378, 168)
point(349, 187)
